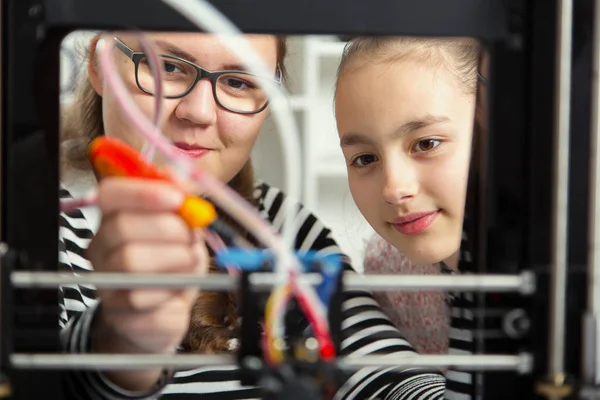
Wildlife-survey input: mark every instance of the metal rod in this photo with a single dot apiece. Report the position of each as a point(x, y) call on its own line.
point(521, 363)
point(3, 308)
point(561, 187)
point(524, 283)
point(5, 333)
point(591, 354)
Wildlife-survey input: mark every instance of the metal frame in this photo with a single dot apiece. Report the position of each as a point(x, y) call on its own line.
point(562, 109)
point(516, 235)
point(487, 20)
point(591, 353)
point(523, 283)
point(521, 363)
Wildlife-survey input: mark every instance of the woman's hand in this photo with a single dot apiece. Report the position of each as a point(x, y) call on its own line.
point(140, 232)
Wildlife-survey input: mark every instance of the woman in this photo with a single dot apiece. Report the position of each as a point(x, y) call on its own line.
point(136, 230)
point(405, 112)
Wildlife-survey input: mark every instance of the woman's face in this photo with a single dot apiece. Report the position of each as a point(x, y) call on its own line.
point(220, 141)
point(405, 130)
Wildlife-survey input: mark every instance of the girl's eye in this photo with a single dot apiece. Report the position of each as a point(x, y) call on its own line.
point(364, 160)
point(426, 145)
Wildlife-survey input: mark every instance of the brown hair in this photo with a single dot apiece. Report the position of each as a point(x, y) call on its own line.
point(459, 55)
point(214, 317)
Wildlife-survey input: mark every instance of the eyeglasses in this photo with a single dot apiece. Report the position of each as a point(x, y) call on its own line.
point(237, 91)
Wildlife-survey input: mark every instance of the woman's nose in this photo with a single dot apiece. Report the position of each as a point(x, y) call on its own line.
point(400, 183)
point(199, 106)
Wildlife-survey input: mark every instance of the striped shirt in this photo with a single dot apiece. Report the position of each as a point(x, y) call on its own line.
point(434, 321)
point(460, 385)
point(365, 328)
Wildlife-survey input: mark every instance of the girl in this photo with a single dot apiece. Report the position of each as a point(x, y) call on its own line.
point(405, 110)
point(136, 230)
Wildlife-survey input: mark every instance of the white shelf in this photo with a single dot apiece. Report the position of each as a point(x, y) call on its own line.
point(326, 190)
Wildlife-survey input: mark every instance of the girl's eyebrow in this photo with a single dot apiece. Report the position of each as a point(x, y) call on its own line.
point(352, 139)
point(420, 123)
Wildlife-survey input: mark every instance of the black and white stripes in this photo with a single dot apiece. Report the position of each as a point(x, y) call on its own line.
point(366, 330)
point(460, 384)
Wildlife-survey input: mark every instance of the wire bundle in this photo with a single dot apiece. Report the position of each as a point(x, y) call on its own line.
point(287, 265)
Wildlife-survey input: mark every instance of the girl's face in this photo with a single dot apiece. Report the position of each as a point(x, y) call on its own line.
point(218, 139)
point(405, 130)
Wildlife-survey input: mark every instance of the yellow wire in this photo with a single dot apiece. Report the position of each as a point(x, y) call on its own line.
point(273, 308)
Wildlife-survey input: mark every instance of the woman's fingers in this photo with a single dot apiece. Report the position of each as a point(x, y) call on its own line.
point(140, 257)
point(120, 228)
point(117, 302)
point(141, 233)
point(201, 253)
point(120, 194)
point(157, 330)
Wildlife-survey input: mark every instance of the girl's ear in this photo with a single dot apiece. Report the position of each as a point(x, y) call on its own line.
point(94, 72)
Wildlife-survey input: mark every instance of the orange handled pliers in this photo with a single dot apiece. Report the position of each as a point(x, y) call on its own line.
point(112, 157)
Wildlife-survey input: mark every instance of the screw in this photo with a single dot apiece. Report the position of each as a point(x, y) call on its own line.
point(35, 10)
point(253, 363)
point(311, 344)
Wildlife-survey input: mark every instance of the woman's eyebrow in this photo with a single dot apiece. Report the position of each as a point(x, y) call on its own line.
point(175, 51)
point(234, 67)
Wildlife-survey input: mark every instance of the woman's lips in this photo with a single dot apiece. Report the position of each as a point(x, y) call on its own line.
point(190, 150)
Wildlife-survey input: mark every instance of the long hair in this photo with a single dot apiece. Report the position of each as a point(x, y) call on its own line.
point(214, 316)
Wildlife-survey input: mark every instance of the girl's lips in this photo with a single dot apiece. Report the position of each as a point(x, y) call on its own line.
point(415, 223)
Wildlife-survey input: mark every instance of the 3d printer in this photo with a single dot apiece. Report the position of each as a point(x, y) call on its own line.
point(524, 39)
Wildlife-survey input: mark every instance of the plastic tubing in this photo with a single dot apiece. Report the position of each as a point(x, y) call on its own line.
point(148, 150)
point(67, 205)
point(228, 199)
point(210, 20)
point(222, 195)
point(207, 18)
point(215, 242)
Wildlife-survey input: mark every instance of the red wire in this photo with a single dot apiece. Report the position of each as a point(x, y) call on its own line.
point(322, 334)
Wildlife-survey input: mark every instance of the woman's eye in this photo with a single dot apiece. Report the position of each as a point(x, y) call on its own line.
point(238, 84)
point(364, 160)
point(426, 145)
point(171, 68)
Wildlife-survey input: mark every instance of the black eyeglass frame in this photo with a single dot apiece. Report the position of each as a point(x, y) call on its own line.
point(201, 73)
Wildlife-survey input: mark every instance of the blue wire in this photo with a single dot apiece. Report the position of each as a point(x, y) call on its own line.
point(255, 259)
